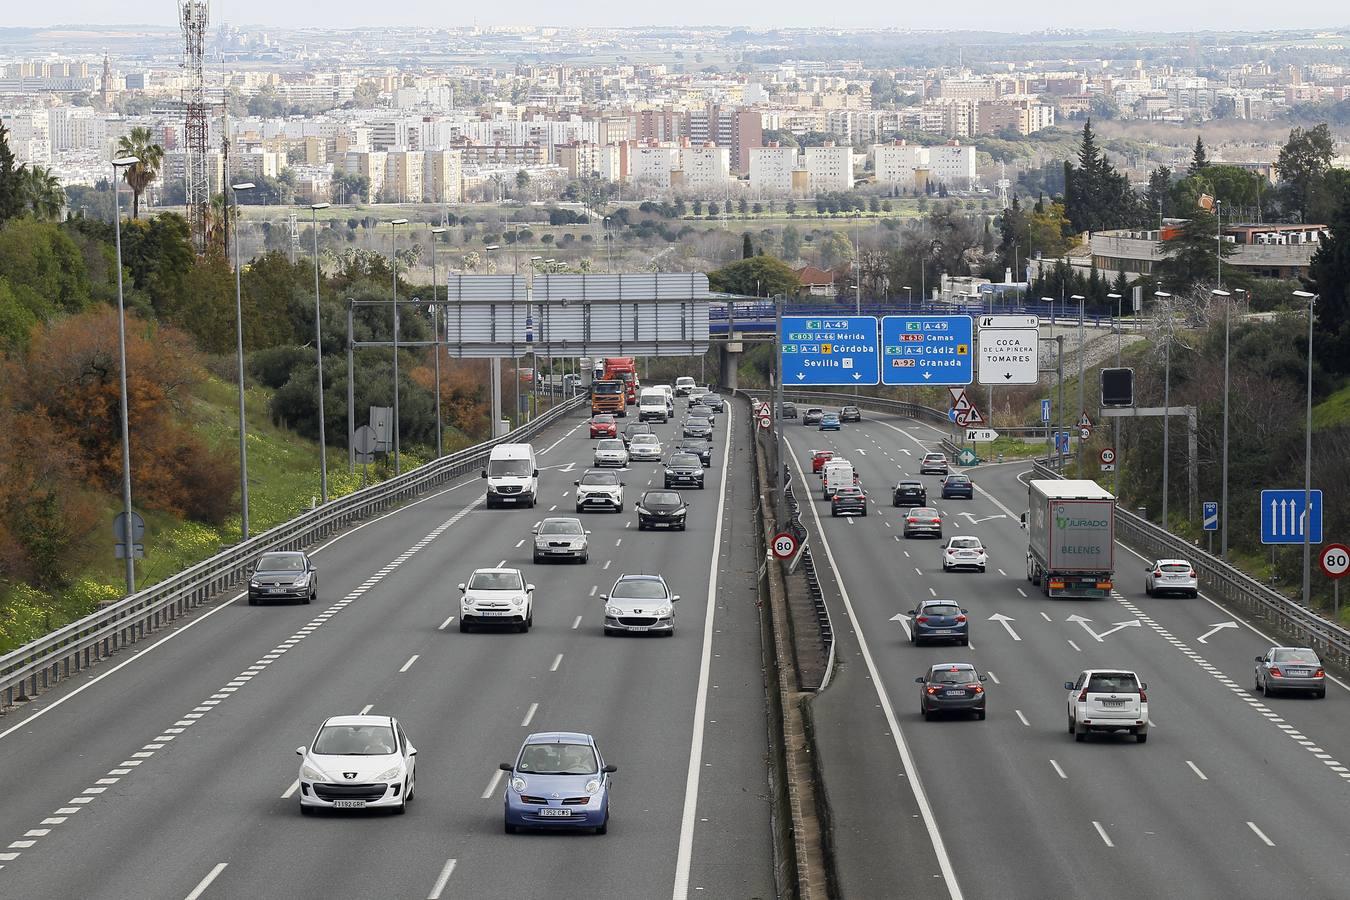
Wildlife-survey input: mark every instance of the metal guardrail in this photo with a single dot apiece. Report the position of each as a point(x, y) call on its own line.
point(69, 649)
point(882, 404)
point(1233, 587)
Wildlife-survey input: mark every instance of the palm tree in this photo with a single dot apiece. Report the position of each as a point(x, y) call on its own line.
point(42, 193)
point(151, 155)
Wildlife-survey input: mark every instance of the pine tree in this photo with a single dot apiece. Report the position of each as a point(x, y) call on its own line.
point(1158, 195)
point(1199, 160)
point(11, 181)
point(747, 249)
point(1096, 196)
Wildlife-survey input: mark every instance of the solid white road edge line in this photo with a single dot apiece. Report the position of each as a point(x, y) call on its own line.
point(906, 758)
point(685, 851)
point(211, 876)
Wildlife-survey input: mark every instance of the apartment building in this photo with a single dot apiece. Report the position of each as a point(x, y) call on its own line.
point(369, 163)
point(911, 167)
point(736, 129)
point(403, 176)
point(829, 168)
point(29, 135)
point(443, 176)
point(771, 170)
point(651, 166)
point(948, 116)
point(898, 163)
point(255, 164)
point(702, 170)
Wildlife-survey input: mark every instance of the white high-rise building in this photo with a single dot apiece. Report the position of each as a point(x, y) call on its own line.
point(29, 136)
point(771, 170)
point(911, 166)
point(896, 163)
point(76, 128)
point(829, 168)
point(953, 164)
point(651, 166)
point(703, 169)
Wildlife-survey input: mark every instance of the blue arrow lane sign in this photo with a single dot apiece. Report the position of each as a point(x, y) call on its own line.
point(922, 350)
point(829, 350)
point(1211, 515)
point(1045, 411)
point(1283, 519)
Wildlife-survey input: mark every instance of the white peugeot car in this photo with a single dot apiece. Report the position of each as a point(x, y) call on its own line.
point(611, 453)
point(640, 604)
point(358, 762)
point(496, 597)
point(1111, 700)
point(964, 553)
point(645, 448)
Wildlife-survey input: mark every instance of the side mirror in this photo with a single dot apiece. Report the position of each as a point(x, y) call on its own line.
point(506, 767)
point(611, 769)
point(984, 677)
point(1143, 685)
point(485, 473)
point(534, 531)
point(604, 596)
point(919, 680)
point(412, 751)
point(1260, 659)
point(1068, 685)
point(529, 588)
point(588, 531)
point(674, 598)
point(1023, 520)
point(577, 483)
point(461, 586)
point(909, 612)
point(299, 751)
point(536, 474)
point(623, 484)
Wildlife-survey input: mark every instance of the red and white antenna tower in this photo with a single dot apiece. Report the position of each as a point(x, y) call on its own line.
point(192, 18)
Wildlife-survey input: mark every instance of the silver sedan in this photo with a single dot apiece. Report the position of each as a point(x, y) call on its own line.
point(1290, 669)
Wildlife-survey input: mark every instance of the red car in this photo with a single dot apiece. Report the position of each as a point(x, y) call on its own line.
point(604, 426)
point(818, 460)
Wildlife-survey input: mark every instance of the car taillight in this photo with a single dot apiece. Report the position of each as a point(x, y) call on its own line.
point(1104, 585)
point(1143, 697)
point(921, 619)
point(1082, 697)
point(979, 688)
point(932, 690)
point(910, 519)
point(960, 618)
point(934, 521)
point(1157, 573)
point(1192, 573)
point(1319, 674)
point(1275, 670)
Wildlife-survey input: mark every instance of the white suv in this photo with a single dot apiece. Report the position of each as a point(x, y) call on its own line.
point(1171, 576)
point(964, 553)
point(599, 490)
point(496, 597)
point(1107, 700)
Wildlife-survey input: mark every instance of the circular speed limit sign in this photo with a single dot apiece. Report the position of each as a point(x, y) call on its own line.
point(784, 545)
point(1108, 456)
point(1335, 560)
point(765, 422)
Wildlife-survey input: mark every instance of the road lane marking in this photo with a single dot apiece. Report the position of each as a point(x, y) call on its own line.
point(1003, 573)
point(365, 709)
point(502, 564)
point(409, 664)
point(1021, 718)
point(553, 507)
point(290, 791)
point(606, 565)
point(1024, 593)
point(1058, 770)
point(520, 543)
point(492, 785)
point(1261, 834)
point(206, 882)
point(1075, 646)
point(446, 871)
point(529, 715)
point(576, 623)
point(557, 661)
point(619, 542)
point(446, 624)
point(1195, 768)
point(932, 591)
point(992, 676)
point(1106, 838)
point(594, 588)
point(1046, 618)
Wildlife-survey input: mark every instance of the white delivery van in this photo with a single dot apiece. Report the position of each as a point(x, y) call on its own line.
point(652, 405)
point(838, 473)
point(512, 476)
point(670, 396)
point(683, 385)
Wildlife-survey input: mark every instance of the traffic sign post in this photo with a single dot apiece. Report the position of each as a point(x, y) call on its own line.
point(1210, 515)
point(981, 435)
point(1062, 443)
point(765, 422)
point(1335, 563)
point(783, 545)
point(1108, 459)
point(926, 350)
point(966, 457)
point(1045, 412)
point(1009, 350)
point(120, 548)
point(829, 350)
point(1283, 517)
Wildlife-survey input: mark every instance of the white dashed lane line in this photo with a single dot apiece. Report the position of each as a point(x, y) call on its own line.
point(1058, 770)
point(409, 664)
point(557, 661)
point(206, 882)
point(492, 785)
point(1261, 834)
point(529, 715)
point(1196, 770)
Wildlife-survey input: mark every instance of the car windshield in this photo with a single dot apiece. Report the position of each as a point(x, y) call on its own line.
point(940, 609)
point(607, 478)
point(909, 486)
point(355, 740)
point(558, 759)
point(965, 543)
point(848, 492)
point(561, 526)
point(1299, 656)
point(661, 498)
point(639, 589)
point(495, 581)
point(610, 445)
point(829, 416)
point(953, 676)
point(849, 409)
point(519, 468)
point(1113, 683)
point(707, 397)
point(281, 562)
point(813, 409)
point(696, 421)
point(685, 459)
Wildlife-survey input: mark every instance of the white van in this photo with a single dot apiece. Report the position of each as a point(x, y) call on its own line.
point(512, 476)
point(838, 473)
point(683, 385)
point(652, 406)
point(670, 396)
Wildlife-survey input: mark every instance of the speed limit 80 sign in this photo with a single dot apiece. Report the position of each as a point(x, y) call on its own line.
point(784, 545)
point(1335, 560)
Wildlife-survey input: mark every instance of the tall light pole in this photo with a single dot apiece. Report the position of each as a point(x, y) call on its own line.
point(1307, 457)
point(909, 294)
point(436, 328)
point(239, 352)
point(495, 392)
point(1082, 409)
point(393, 268)
point(1115, 421)
point(129, 533)
point(604, 232)
point(1218, 246)
point(1223, 490)
point(1167, 399)
point(318, 353)
point(1059, 367)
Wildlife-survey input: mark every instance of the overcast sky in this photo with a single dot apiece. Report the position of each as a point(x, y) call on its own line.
point(998, 15)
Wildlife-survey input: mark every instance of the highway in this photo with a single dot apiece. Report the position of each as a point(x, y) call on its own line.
point(1234, 795)
point(169, 770)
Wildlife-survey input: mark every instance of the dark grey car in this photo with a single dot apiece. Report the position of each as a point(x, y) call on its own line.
point(939, 620)
point(697, 446)
point(684, 469)
point(697, 428)
point(661, 509)
point(909, 493)
point(951, 687)
point(288, 575)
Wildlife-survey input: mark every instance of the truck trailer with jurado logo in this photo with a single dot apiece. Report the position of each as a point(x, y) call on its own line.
point(1071, 537)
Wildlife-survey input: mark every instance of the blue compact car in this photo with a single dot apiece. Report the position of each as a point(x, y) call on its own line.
point(558, 781)
point(829, 422)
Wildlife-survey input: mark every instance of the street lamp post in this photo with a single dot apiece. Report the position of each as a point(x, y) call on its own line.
point(129, 533)
point(1167, 400)
point(1082, 409)
point(436, 328)
point(318, 354)
point(1223, 489)
point(909, 294)
point(495, 391)
point(1307, 457)
point(393, 268)
point(1115, 422)
point(1059, 368)
point(239, 352)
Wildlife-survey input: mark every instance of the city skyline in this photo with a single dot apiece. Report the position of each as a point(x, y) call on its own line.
point(982, 15)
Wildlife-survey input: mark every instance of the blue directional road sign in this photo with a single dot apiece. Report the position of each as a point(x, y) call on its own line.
point(829, 350)
point(1211, 515)
point(1062, 442)
point(922, 350)
point(1282, 518)
point(1045, 410)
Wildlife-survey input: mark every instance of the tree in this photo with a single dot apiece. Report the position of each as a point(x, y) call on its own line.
point(713, 209)
point(1329, 278)
point(790, 207)
point(11, 176)
point(1199, 159)
point(150, 156)
point(522, 182)
point(349, 187)
point(792, 243)
point(698, 207)
point(365, 94)
point(758, 276)
point(747, 248)
point(1302, 163)
point(42, 193)
point(1096, 196)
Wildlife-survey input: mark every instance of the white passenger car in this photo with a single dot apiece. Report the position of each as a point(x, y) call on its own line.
point(645, 448)
point(964, 553)
point(611, 452)
point(357, 762)
point(1171, 576)
point(1111, 700)
point(496, 597)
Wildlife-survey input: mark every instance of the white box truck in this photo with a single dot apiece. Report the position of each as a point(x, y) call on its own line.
point(1071, 537)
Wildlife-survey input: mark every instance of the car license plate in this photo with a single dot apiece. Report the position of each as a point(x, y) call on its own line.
point(555, 812)
point(943, 631)
point(637, 627)
point(276, 590)
point(1297, 673)
point(953, 693)
point(1113, 704)
point(349, 804)
point(494, 612)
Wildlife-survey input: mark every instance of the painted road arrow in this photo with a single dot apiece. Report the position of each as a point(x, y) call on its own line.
point(1004, 621)
point(975, 521)
point(1097, 637)
point(904, 622)
point(1204, 638)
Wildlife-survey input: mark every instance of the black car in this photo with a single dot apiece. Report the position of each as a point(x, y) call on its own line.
point(958, 486)
point(788, 411)
point(661, 509)
point(632, 430)
point(701, 411)
point(850, 414)
point(697, 428)
point(684, 468)
point(714, 402)
point(951, 687)
point(697, 446)
point(909, 493)
point(288, 575)
point(813, 416)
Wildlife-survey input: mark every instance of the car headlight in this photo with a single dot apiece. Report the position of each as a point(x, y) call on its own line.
point(518, 784)
point(313, 774)
point(663, 612)
point(613, 611)
point(681, 511)
point(593, 786)
point(390, 774)
point(253, 582)
point(518, 600)
point(641, 509)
